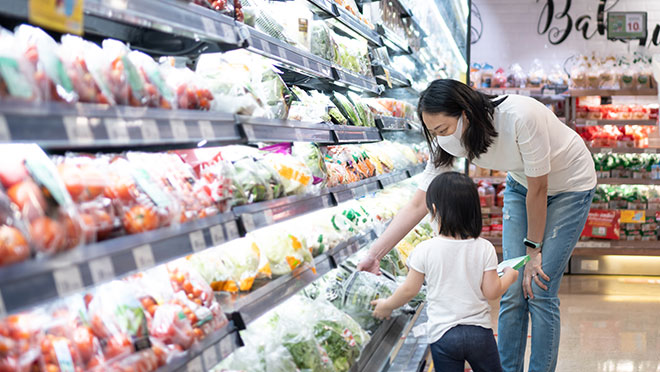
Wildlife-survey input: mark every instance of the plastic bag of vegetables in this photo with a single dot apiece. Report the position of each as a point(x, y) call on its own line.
point(310, 154)
point(346, 108)
point(258, 181)
point(293, 173)
point(283, 249)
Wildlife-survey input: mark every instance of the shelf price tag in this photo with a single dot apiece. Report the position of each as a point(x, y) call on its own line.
point(5, 134)
point(232, 230)
point(591, 122)
point(268, 216)
point(3, 309)
point(248, 221)
point(605, 150)
point(388, 78)
point(63, 16)
point(209, 25)
point(67, 280)
point(298, 134)
point(206, 129)
point(197, 241)
point(144, 257)
point(117, 130)
point(78, 130)
point(634, 23)
point(217, 234)
point(195, 365)
point(179, 131)
point(149, 130)
point(101, 269)
point(227, 30)
point(632, 216)
point(646, 151)
point(210, 357)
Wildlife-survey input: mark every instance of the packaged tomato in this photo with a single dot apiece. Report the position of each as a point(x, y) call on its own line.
point(140, 202)
point(213, 173)
point(158, 94)
point(17, 74)
point(173, 176)
point(117, 318)
point(87, 83)
point(35, 189)
point(14, 245)
point(144, 360)
point(19, 341)
point(42, 52)
point(191, 91)
point(59, 348)
point(120, 74)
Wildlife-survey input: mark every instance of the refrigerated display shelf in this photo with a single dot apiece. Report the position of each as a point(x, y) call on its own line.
point(591, 122)
point(354, 190)
point(392, 178)
point(397, 79)
point(287, 55)
point(393, 41)
point(612, 92)
point(349, 133)
point(390, 123)
point(414, 351)
point(627, 181)
point(624, 150)
point(327, 6)
point(347, 78)
point(357, 26)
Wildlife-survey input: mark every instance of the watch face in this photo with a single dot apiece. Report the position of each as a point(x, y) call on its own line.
point(530, 244)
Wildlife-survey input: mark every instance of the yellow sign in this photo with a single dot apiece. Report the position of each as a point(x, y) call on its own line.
point(630, 216)
point(388, 77)
point(57, 15)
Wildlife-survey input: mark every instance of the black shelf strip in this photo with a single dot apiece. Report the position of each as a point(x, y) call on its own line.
point(347, 78)
point(390, 123)
point(273, 130)
point(393, 41)
point(355, 24)
point(258, 215)
point(354, 190)
point(352, 134)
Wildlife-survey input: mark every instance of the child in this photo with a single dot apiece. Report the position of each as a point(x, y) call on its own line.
point(460, 270)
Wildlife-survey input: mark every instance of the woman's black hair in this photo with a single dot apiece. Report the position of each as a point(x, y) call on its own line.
point(453, 201)
point(453, 98)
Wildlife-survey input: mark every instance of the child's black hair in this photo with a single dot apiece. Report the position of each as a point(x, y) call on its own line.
point(453, 201)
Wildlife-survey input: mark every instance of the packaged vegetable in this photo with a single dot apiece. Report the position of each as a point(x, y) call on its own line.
point(284, 249)
point(293, 173)
point(17, 75)
point(346, 108)
point(14, 245)
point(322, 43)
point(258, 180)
point(310, 154)
point(20, 336)
point(88, 86)
point(120, 74)
point(158, 94)
point(191, 90)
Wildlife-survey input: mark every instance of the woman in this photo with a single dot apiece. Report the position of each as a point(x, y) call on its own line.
point(550, 183)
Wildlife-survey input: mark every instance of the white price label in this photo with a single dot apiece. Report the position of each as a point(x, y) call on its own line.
point(524, 92)
point(3, 309)
point(117, 130)
point(256, 43)
point(206, 129)
point(326, 202)
point(248, 221)
point(227, 30)
point(197, 241)
point(605, 150)
point(78, 130)
point(282, 53)
point(634, 23)
point(249, 131)
point(144, 257)
point(298, 134)
point(67, 280)
point(217, 234)
point(179, 130)
point(268, 215)
point(232, 230)
point(306, 62)
point(195, 365)
point(591, 122)
point(149, 130)
point(210, 357)
point(101, 269)
point(650, 151)
point(5, 135)
point(209, 26)
point(510, 91)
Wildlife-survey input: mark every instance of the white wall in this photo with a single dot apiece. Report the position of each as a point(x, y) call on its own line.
point(510, 31)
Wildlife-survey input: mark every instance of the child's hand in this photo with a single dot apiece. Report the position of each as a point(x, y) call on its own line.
point(507, 269)
point(382, 311)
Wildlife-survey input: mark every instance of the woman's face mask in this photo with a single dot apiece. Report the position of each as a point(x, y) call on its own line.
point(447, 136)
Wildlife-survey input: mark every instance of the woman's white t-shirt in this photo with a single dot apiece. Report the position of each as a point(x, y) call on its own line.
point(532, 142)
point(454, 270)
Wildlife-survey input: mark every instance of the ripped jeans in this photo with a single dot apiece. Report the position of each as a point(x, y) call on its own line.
point(566, 216)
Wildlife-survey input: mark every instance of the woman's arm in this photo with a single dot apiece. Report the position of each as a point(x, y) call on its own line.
point(537, 208)
point(404, 221)
point(493, 286)
point(406, 291)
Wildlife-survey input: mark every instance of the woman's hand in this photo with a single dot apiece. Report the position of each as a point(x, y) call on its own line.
point(369, 263)
point(533, 270)
point(382, 310)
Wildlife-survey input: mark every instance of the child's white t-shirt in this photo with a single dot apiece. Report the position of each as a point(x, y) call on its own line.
point(454, 271)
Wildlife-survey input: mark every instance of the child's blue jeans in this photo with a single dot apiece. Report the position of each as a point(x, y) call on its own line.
point(466, 342)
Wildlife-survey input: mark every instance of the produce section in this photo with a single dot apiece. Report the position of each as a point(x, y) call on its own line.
point(170, 187)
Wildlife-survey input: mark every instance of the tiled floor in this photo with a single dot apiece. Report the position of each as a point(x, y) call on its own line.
point(609, 324)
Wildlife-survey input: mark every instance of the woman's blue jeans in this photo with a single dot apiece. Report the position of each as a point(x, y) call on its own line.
point(566, 216)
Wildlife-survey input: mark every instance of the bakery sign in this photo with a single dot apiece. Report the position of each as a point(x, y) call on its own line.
point(559, 22)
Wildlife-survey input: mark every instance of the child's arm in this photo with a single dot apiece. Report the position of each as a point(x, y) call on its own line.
point(493, 286)
point(406, 291)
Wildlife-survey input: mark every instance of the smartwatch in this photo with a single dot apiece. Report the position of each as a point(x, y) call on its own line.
point(530, 244)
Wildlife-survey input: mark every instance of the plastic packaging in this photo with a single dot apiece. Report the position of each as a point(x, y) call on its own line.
point(537, 76)
point(322, 44)
point(157, 93)
point(88, 86)
point(190, 90)
point(284, 248)
point(293, 173)
point(310, 154)
point(14, 245)
point(120, 74)
point(346, 108)
point(16, 73)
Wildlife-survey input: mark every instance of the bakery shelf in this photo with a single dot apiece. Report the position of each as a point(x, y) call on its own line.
point(611, 92)
point(627, 181)
point(355, 26)
point(286, 55)
point(624, 150)
point(207, 353)
point(615, 122)
point(353, 134)
point(274, 130)
point(390, 123)
point(87, 266)
point(345, 78)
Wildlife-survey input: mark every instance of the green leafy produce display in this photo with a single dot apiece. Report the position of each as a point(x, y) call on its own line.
point(346, 108)
point(338, 342)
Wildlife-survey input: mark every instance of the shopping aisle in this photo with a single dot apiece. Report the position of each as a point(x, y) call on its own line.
point(609, 324)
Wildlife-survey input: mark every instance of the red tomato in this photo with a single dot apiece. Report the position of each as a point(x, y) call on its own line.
point(140, 219)
point(72, 178)
point(13, 246)
point(47, 234)
point(12, 171)
point(84, 341)
point(28, 197)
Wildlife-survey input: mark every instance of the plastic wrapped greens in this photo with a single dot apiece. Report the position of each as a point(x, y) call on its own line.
point(346, 108)
point(257, 14)
point(311, 155)
point(365, 115)
point(322, 44)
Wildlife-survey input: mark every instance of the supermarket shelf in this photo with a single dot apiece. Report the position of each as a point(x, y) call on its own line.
point(287, 55)
point(358, 27)
point(392, 178)
point(274, 130)
point(490, 179)
point(343, 77)
point(326, 6)
point(344, 250)
point(414, 350)
point(491, 210)
point(608, 247)
point(624, 150)
point(397, 79)
point(84, 126)
point(92, 264)
point(611, 92)
point(615, 122)
point(390, 123)
point(349, 133)
point(419, 168)
point(204, 355)
point(546, 93)
point(393, 41)
point(258, 215)
point(627, 181)
point(354, 190)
